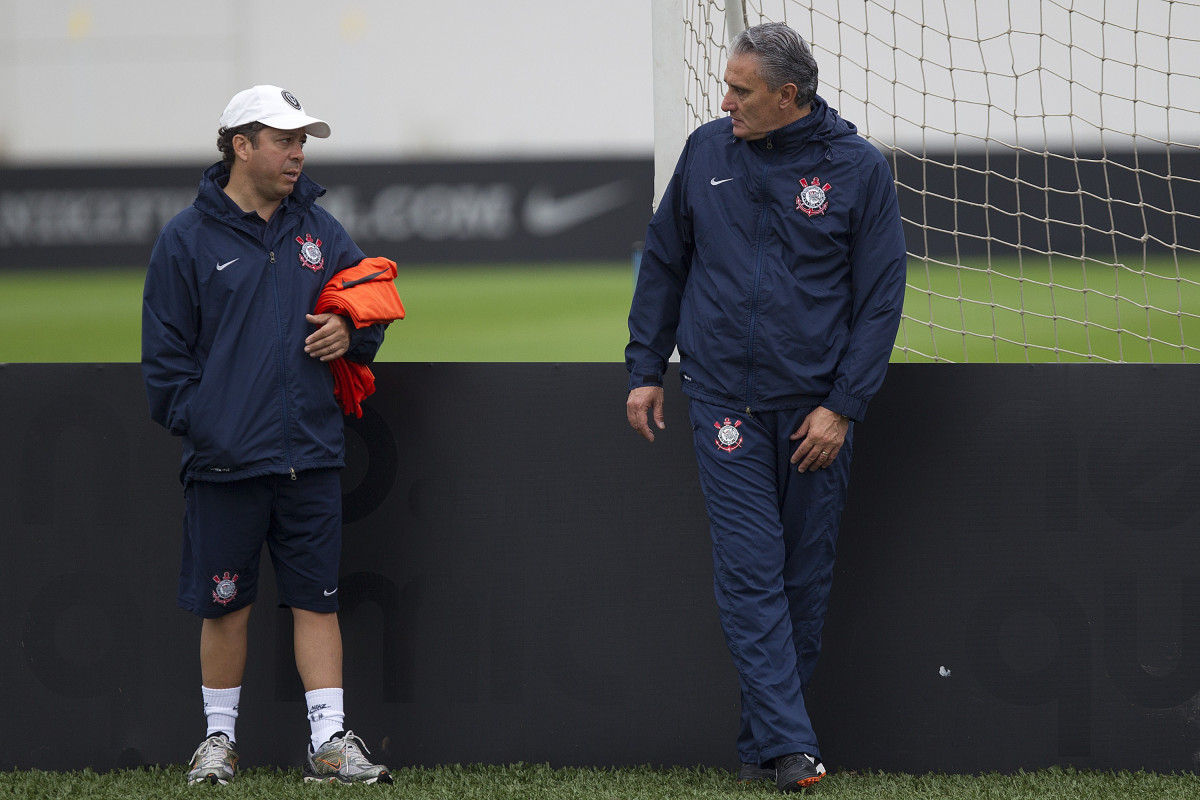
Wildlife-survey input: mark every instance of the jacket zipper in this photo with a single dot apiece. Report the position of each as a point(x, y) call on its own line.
point(758, 262)
point(281, 367)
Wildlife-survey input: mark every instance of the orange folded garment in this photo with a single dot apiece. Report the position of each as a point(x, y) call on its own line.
point(367, 295)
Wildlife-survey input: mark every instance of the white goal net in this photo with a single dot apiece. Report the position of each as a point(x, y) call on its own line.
point(1045, 154)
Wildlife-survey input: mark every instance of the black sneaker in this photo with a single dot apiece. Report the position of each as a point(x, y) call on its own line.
point(797, 771)
point(753, 773)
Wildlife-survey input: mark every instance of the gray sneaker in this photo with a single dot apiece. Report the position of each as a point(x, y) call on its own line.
point(215, 761)
point(341, 760)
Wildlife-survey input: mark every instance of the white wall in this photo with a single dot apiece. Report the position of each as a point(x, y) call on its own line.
point(146, 80)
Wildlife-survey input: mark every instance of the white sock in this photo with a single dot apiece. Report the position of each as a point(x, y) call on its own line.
point(326, 714)
point(221, 709)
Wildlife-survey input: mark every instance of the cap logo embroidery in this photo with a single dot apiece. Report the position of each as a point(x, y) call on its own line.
point(290, 99)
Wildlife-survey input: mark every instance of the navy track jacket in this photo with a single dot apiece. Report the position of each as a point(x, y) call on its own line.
point(223, 332)
point(777, 266)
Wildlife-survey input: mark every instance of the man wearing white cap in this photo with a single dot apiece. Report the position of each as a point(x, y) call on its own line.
point(235, 363)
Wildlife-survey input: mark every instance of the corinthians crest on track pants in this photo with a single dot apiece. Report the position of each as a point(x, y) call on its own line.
point(774, 534)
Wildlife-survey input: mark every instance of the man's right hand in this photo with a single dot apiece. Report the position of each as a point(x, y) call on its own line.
point(644, 401)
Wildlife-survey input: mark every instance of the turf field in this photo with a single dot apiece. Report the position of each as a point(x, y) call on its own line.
point(540, 782)
point(454, 313)
point(1030, 311)
point(577, 312)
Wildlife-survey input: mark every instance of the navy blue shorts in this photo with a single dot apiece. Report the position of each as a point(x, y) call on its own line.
point(226, 524)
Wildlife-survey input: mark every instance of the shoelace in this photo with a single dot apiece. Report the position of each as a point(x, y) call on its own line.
point(212, 752)
point(353, 748)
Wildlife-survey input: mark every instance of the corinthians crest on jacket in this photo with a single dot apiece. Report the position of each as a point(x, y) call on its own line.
point(813, 198)
point(311, 256)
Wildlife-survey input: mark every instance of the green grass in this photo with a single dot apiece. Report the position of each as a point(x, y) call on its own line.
point(454, 313)
point(1025, 311)
point(72, 315)
point(498, 313)
point(540, 782)
point(1032, 310)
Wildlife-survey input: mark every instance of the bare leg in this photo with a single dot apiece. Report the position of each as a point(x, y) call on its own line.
point(318, 642)
point(223, 649)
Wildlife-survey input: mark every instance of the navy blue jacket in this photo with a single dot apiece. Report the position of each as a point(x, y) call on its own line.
point(223, 332)
point(777, 266)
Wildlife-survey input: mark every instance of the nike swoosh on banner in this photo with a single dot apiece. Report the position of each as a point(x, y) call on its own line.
point(226, 264)
point(547, 215)
point(715, 182)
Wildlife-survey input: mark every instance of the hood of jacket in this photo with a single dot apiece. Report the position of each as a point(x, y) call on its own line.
point(822, 124)
point(212, 200)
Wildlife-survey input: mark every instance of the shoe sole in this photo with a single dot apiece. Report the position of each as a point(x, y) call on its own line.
point(384, 778)
point(801, 785)
point(210, 779)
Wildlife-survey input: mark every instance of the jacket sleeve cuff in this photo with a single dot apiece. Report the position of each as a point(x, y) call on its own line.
point(365, 343)
point(639, 379)
point(847, 405)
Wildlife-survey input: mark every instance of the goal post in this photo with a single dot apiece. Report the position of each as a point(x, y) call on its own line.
point(668, 54)
point(1046, 156)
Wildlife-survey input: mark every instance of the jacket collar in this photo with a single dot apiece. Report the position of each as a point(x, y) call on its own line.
point(211, 197)
point(822, 124)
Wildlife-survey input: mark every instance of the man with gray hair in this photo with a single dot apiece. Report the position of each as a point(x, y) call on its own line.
point(775, 263)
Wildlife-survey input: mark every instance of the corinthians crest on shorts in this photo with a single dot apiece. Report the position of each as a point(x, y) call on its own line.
point(729, 438)
point(311, 256)
point(226, 589)
point(813, 198)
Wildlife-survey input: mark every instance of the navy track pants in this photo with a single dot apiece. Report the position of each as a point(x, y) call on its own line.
point(774, 535)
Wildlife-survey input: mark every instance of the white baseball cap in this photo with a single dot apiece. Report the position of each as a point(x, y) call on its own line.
point(274, 107)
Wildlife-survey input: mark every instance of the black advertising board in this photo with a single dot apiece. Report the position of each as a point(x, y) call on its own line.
point(1016, 583)
point(412, 212)
point(968, 204)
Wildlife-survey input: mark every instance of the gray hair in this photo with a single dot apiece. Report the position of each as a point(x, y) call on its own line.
point(783, 57)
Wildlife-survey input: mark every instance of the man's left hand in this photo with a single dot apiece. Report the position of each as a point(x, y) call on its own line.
point(821, 436)
point(331, 339)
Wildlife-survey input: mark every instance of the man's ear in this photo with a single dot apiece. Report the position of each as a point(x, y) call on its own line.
point(787, 95)
point(242, 146)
